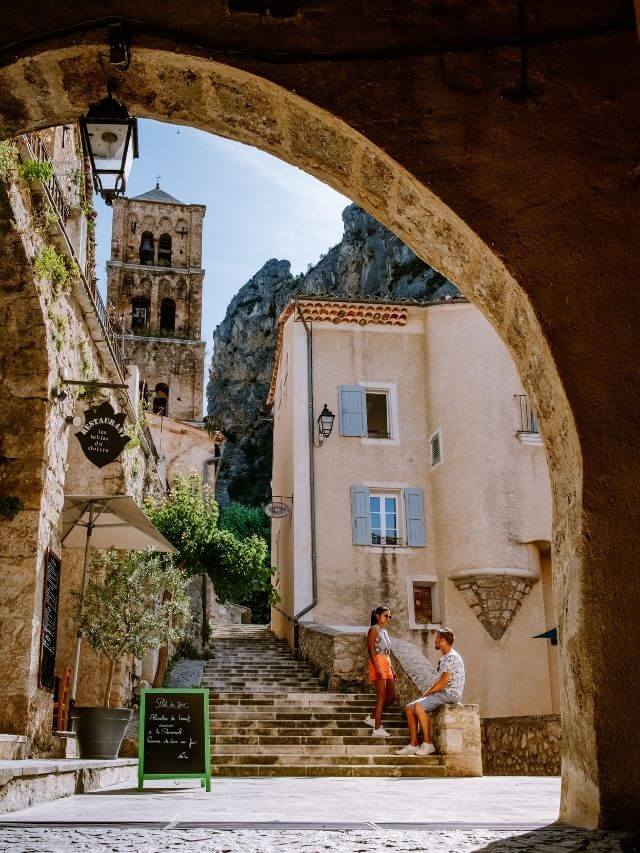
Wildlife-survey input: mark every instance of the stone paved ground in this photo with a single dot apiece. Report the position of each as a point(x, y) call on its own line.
point(115, 840)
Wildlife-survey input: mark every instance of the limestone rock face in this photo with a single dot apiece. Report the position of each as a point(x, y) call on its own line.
point(369, 262)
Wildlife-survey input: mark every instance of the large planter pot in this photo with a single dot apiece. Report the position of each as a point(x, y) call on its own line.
point(100, 730)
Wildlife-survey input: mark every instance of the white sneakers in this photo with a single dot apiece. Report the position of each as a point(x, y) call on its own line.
point(380, 733)
point(369, 721)
point(408, 750)
point(420, 751)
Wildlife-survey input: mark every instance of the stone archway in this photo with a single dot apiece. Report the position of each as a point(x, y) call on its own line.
point(56, 85)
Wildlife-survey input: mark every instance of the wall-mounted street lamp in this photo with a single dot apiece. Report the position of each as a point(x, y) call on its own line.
point(110, 138)
point(325, 423)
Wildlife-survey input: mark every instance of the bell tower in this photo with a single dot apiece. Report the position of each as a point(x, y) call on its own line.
point(154, 282)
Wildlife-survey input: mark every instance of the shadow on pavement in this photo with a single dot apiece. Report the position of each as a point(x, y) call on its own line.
point(559, 838)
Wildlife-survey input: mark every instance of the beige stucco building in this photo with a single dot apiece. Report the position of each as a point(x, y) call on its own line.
point(430, 495)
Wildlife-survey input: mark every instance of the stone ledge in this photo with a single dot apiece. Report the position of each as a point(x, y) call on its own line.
point(31, 782)
point(13, 747)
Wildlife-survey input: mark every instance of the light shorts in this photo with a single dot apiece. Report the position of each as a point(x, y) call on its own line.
point(435, 700)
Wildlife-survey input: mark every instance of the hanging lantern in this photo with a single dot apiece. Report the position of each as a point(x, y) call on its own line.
point(110, 138)
point(325, 422)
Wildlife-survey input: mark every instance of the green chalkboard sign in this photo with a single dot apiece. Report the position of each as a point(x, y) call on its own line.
point(174, 735)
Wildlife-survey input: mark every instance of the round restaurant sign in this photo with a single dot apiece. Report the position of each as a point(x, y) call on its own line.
point(277, 509)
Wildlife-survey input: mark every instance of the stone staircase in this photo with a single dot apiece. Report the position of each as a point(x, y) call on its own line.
point(271, 717)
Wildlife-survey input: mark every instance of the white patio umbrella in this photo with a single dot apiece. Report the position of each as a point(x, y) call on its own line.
point(114, 521)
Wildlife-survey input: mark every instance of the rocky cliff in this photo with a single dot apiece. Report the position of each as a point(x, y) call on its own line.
point(368, 262)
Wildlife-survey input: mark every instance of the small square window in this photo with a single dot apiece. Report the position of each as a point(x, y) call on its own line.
point(378, 414)
point(422, 603)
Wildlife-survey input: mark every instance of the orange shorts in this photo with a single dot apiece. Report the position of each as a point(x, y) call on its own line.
point(384, 663)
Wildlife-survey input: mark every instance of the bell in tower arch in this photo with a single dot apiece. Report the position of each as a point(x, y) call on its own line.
point(146, 248)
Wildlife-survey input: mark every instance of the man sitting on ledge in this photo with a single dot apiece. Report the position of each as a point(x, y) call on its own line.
point(447, 689)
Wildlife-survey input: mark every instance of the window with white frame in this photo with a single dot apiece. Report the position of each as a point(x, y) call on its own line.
point(385, 523)
point(388, 516)
point(378, 420)
point(369, 410)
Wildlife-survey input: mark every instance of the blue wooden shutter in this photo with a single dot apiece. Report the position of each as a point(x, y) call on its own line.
point(414, 513)
point(353, 411)
point(360, 518)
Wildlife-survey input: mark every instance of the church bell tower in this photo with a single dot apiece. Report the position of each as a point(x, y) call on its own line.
point(154, 282)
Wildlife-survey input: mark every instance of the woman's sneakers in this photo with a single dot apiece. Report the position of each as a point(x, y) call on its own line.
point(408, 750)
point(420, 751)
point(369, 721)
point(380, 733)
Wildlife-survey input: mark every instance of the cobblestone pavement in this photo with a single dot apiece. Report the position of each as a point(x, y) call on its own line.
point(372, 840)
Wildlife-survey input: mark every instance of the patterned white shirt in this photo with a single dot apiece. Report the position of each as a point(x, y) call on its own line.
point(452, 662)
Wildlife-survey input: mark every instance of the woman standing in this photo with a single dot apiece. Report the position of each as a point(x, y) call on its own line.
point(380, 671)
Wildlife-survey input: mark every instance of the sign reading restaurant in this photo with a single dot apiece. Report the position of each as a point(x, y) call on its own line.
point(103, 436)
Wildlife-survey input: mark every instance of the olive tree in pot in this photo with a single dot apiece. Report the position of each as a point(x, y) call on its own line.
point(134, 601)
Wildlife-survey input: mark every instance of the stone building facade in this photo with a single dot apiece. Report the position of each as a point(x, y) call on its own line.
point(431, 494)
point(154, 284)
point(57, 342)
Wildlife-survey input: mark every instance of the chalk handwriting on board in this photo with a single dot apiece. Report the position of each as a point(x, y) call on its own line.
point(173, 732)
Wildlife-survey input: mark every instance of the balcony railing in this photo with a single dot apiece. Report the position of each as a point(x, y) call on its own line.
point(38, 151)
point(528, 422)
point(376, 539)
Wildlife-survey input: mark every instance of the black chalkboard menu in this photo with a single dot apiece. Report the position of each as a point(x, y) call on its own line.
point(49, 636)
point(174, 735)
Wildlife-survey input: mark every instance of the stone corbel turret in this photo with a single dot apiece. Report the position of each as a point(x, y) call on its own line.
point(494, 595)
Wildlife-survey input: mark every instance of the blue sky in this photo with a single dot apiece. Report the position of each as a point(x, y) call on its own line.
point(258, 207)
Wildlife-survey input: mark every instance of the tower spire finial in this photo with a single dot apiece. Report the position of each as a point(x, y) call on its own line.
point(157, 182)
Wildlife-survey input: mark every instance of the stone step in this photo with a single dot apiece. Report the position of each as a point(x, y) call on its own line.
point(319, 770)
point(291, 700)
point(232, 711)
point(336, 760)
point(321, 745)
point(338, 699)
point(276, 719)
point(300, 728)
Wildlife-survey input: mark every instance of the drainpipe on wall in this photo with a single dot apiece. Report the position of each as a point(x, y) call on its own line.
point(312, 482)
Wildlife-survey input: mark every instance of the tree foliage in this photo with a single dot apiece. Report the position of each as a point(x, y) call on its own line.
point(135, 601)
point(188, 516)
point(245, 520)
point(235, 558)
point(237, 566)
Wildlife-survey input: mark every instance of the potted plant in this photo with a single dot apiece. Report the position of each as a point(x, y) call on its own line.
point(134, 601)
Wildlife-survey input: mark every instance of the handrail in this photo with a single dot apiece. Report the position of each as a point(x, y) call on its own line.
point(152, 445)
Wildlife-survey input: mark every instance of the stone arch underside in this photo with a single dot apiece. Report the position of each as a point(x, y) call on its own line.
point(56, 85)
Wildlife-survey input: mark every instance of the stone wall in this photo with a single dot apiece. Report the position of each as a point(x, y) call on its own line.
point(522, 746)
point(47, 337)
point(338, 654)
